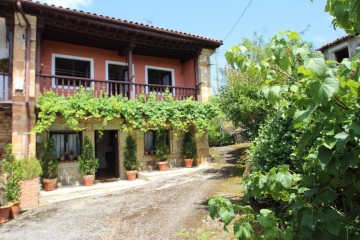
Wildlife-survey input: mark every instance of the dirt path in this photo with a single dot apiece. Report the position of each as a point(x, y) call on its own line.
point(170, 209)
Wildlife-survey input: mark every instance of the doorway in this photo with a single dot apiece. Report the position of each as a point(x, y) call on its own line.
point(106, 150)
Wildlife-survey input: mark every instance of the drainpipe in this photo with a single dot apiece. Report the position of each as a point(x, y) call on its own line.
point(27, 76)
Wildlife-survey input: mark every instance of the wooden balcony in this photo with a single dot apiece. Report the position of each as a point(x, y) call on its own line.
point(5, 87)
point(67, 86)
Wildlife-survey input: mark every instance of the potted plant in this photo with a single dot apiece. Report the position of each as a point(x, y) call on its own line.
point(188, 150)
point(88, 163)
point(29, 190)
point(49, 165)
point(12, 175)
point(161, 150)
point(130, 160)
point(71, 155)
point(4, 206)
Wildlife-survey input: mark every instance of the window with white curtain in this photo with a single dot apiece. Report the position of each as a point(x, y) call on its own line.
point(67, 143)
point(150, 142)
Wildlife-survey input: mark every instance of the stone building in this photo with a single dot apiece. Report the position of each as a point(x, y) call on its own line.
point(40, 42)
point(344, 47)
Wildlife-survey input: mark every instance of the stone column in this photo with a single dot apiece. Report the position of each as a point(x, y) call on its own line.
point(20, 111)
point(204, 75)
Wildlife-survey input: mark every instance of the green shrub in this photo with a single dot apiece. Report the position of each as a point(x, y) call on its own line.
point(12, 173)
point(49, 163)
point(188, 150)
point(130, 159)
point(31, 168)
point(88, 163)
point(274, 145)
point(217, 139)
point(161, 148)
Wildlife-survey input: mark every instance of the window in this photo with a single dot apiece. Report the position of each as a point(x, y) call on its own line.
point(68, 145)
point(150, 142)
point(160, 76)
point(72, 67)
point(341, 54)
point(117, 72)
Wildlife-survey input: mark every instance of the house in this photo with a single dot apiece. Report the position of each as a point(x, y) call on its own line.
point(44, 47)
point(343, 47)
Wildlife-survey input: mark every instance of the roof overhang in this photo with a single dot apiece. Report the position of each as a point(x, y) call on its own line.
point(71, 26)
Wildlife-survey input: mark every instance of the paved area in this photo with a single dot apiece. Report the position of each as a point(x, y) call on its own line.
point(99, 189)
point(167, 207)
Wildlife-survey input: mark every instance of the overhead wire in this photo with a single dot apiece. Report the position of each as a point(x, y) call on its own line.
point(236, 23)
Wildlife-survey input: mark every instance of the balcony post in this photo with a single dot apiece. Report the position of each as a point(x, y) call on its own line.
point(132, 91)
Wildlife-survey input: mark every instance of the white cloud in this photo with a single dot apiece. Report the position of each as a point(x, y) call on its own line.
point(73, 4)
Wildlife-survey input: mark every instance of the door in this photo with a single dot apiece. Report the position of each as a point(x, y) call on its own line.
point(106, 150)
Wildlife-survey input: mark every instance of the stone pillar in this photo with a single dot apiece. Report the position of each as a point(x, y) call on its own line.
point(204, 75)
point(202, 149)
point(21, 110)
point(122, 145)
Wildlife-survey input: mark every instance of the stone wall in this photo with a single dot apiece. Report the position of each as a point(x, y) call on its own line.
point(72, 177)
point(5, 129)
point(204, 74)
point(21, 110)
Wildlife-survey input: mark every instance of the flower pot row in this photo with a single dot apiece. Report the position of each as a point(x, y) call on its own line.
point(11, 210)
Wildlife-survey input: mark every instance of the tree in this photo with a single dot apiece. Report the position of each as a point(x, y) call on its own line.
point(346, 14)
point(239, 99)
point(321, 198)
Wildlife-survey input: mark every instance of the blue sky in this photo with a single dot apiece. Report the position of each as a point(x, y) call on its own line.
point(215, 18)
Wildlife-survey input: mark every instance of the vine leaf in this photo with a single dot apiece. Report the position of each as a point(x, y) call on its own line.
point(316, 63)
point(243, 230)
point(324, 156)
point(326, 196)
point(323, 91)
point(332, 222)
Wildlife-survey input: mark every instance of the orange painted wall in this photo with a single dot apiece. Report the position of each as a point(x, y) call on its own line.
point(184, 73)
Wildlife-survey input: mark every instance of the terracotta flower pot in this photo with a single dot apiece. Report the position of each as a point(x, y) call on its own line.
point(5, 212)
point(131, 175)
point(15, 210)
point(49, 184)
point(162, 166)
point(88, 180)
point(188, 163)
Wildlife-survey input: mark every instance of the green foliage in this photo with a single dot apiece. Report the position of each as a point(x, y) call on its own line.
point(88, 163)
point(275, 145)
point(188, 149)
point(31, 168)
point(216, 138)
point(320, 196)
point(267, 224)
point(239, 99)
point(49, 163)
point(12, 173)
point(346, 14)
point(141, 113)
point(130, 159)
point(161, 147)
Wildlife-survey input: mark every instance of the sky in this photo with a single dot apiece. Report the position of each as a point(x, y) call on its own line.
point(216, 18)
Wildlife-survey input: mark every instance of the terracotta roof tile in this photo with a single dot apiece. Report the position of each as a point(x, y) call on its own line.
point(336, 41)
point(118, 20)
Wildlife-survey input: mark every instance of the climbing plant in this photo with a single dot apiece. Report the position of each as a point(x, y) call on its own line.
point(141, 113)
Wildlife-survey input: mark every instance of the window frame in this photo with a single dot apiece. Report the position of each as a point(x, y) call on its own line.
point(66, 133)
point(172, 70)
point(154, 142)
point(71, 57)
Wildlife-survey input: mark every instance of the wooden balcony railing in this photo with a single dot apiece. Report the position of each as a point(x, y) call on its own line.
point(67, 86)
point(5, 86)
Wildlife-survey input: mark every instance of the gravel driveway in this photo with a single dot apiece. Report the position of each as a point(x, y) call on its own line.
point(156, 211)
